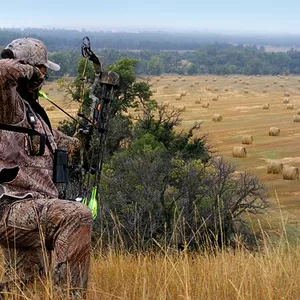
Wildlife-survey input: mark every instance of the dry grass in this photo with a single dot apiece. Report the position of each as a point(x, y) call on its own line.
point(226, 275)
point(59, 98)
point(271, 273)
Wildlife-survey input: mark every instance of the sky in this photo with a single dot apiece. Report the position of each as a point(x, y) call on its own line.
point(228, 16)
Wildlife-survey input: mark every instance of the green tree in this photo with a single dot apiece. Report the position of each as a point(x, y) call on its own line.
point(155, 66)
point(176, 202)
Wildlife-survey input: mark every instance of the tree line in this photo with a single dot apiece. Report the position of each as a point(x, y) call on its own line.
point(219, 59)
point(63, 39)
point(164, 53)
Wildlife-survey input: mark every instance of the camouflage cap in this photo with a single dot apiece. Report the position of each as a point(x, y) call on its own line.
point(32, 51)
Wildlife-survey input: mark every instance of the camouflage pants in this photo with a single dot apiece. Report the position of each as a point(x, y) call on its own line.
point(47, 237)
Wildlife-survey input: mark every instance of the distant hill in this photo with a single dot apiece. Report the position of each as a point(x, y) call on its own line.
point(63, 39)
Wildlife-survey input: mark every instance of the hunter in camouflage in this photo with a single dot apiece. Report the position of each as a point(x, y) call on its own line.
point(39, 233)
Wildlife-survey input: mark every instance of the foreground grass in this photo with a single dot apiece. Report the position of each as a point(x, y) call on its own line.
point(233, 275)
point(269, 274)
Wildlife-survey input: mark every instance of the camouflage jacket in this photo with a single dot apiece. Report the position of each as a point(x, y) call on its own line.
point(22, 174)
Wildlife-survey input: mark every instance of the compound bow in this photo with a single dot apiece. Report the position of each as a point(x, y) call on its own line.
point(102, 93)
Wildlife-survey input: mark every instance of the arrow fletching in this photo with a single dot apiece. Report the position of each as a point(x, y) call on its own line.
point(42, 94)
point(93, 205)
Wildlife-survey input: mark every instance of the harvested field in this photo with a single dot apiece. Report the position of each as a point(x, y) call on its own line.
point(242, 115)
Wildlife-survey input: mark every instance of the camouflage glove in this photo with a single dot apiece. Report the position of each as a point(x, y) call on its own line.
point(85, 137)
point(76, 144)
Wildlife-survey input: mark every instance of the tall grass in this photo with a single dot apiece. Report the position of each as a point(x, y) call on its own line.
point(270, 273)
point(224, 275)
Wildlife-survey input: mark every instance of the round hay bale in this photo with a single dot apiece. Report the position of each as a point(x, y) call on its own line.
point(289, 106)
point(298, 111)
point(266, 106)
point(181, 108)
point(178, 97)
point(215, 98)
point(217, 118)
point(197, 101)
point(274, 131)
point(274, 167)
point(296, 118)
point(286, 100)
point(239, 152)
point(50, 108)
point(247, 139)
point(205, 105)
point(290, 173)
point(287, 94)
point(183, 94)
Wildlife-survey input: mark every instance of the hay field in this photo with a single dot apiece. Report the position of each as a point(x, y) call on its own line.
point(62, 99)
point(249, 105)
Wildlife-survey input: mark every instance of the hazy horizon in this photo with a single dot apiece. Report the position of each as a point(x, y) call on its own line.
point(231, 17)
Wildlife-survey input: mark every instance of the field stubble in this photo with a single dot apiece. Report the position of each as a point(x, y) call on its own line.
point(249, 105)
